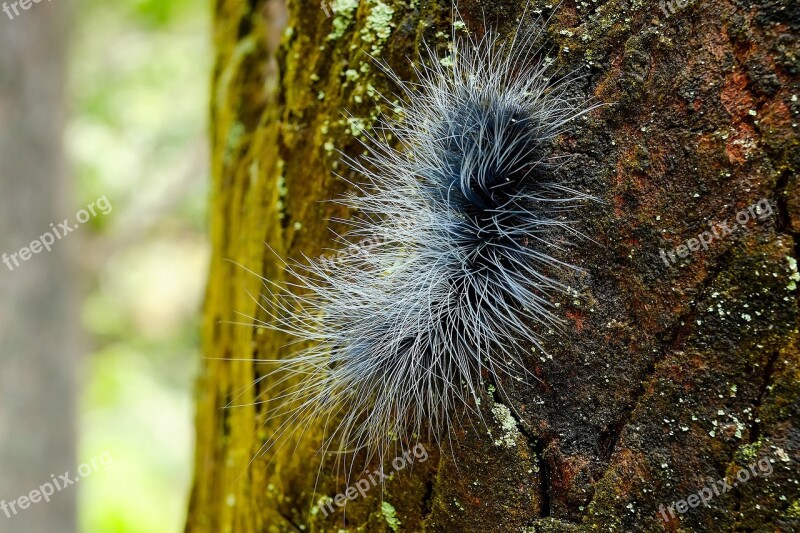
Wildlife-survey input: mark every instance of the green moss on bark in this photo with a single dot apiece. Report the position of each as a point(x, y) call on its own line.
point(669, 374)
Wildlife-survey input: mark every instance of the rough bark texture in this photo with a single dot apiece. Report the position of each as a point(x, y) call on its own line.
point(668, 376)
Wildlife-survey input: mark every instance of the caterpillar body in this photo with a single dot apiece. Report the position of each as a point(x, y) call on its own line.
point(458, 217)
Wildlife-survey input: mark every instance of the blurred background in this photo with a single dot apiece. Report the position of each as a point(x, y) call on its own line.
point(99, 337)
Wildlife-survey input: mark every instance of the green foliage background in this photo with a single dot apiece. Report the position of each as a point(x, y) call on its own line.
point(138, 92)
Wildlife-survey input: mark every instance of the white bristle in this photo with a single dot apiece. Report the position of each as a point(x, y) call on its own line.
point(452, 278)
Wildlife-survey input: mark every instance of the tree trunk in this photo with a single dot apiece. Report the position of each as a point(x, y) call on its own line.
point(39, 339)
point(676, 369)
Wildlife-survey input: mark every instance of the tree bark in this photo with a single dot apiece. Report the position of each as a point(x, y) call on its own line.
point(39, 326)
point(670, 374)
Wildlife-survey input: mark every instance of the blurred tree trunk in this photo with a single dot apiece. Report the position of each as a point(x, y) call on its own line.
point(38, 315)
point(669, 374)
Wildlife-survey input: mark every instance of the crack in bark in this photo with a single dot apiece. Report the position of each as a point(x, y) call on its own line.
point(545, 476)
point(537, 445)
point(784, 220)
point(610, 438)
point(290, 521)
point(429, 499)
point(769, 370)
point(755, 427)
point(681, 331)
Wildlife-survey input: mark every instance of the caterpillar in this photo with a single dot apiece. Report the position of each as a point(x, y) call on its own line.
point(458, 218)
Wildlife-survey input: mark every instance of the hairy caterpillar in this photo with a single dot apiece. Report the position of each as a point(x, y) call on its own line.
point(458, 216)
